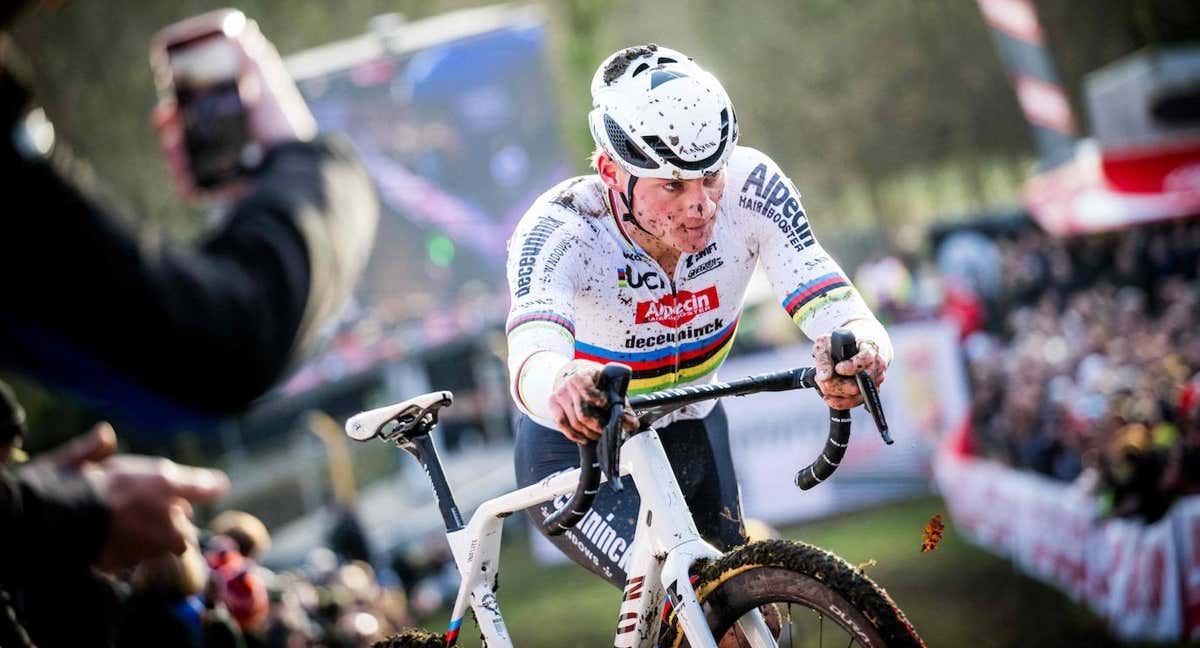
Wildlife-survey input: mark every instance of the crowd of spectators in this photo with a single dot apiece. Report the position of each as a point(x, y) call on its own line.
point(1084, 364)
point(217, 594)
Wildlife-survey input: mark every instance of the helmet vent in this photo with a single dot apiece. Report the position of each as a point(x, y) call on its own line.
point(624, 147)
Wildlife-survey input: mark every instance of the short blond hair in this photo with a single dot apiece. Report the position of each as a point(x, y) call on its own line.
point(594, 158)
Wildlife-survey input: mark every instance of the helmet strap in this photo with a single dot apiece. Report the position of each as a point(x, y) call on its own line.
point(627, 198)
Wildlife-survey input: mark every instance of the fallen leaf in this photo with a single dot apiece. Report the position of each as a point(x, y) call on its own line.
point(933, 533)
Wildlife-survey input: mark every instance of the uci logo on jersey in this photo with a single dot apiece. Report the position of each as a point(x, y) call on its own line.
point(628, 277)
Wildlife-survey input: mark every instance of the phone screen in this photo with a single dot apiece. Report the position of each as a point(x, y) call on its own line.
point(205, 77)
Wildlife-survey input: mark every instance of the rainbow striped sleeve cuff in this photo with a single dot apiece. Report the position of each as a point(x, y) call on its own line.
point(542, 318)
point(810, 297)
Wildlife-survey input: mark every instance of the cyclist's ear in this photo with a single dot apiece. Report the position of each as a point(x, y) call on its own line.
point(611, 173)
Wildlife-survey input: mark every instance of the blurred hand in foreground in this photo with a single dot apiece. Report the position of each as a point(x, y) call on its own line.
point(149, 498)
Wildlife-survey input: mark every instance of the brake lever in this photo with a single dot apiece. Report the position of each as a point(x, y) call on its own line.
point(846, 347)
point(870, 392)
point(610, 449)
point(614, 381)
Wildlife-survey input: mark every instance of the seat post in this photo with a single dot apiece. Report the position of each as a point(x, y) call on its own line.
point(421, 446)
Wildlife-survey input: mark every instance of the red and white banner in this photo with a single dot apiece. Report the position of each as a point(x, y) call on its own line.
point(1144, 601)
point(1186, 515)
point(1091, 193)
point(1145, 579)
point(1154, 170)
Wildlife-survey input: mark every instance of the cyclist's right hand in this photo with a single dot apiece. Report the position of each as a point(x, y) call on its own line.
point(574, 388)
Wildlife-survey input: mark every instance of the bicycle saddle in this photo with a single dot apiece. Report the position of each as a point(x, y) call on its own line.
point(408, 416)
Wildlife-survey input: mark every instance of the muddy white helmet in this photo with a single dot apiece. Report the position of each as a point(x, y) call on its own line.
point(659, 115)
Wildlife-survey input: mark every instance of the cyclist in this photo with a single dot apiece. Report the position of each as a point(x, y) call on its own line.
point(646, 263)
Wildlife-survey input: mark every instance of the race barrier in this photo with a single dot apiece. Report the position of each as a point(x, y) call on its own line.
point(1143, 578)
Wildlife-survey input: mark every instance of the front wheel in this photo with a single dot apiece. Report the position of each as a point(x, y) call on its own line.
point(818, 598)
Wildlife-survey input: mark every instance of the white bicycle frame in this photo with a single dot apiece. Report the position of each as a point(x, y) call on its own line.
point(665, 544)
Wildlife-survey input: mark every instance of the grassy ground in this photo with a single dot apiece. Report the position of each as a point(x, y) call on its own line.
point(956, 596)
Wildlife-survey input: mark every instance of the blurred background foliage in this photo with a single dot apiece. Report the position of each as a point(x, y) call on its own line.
point(886, 114)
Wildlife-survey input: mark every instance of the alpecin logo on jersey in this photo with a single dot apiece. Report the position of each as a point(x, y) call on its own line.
point(773, 198)
point(681, 308)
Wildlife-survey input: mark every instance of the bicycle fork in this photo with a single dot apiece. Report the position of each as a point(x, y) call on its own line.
point(666, 543)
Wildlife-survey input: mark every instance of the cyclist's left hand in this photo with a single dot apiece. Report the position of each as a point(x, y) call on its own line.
point(839, 388)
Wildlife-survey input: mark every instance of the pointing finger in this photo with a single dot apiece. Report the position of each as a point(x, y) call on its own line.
point(198, 484)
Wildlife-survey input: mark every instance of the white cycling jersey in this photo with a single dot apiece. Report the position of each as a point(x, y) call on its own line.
point(582, 288)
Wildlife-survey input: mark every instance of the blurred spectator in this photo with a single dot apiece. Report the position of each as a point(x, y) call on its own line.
point(169, 335)
point(329, 602)
point(887, 286)
point(974, 259)
point(80, 507)
point(347, 538)
point(238, 584)
point(179, 335)
point(248, 532)
point(167, 607)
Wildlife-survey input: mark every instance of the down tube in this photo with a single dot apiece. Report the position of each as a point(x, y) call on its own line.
point(476, 551)
point(641, 606)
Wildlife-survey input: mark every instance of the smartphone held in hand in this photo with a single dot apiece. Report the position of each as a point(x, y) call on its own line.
point(199, 67)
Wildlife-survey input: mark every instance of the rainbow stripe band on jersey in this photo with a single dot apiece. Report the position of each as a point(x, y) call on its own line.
point(664, 368)
point(810, 297)
point(541, 317)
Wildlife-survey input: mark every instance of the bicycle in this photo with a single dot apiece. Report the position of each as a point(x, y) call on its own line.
point(706, 593)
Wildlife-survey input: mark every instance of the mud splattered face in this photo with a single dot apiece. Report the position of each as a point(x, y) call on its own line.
point(681, 213)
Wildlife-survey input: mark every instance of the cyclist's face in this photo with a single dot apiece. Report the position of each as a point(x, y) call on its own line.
point(680, 213)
